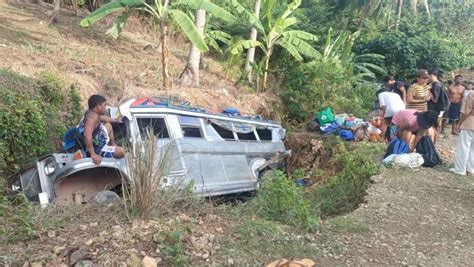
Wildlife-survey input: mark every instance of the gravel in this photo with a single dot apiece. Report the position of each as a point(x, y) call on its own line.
point(419, 217)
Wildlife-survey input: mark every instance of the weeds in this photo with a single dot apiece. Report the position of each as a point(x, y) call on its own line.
point(21, 220)
point(172, 246)
point(17, 224)
point(280, 199)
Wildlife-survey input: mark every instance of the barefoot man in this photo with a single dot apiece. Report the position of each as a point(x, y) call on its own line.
point(456, 93)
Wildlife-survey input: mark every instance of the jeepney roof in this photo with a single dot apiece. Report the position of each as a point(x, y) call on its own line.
point(167, 105)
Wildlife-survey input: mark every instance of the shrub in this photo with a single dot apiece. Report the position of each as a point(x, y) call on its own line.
point(23, 129)
point(34, 114)
point(348, 180)
point(280, 199)
point(309, 87)
point(417, 46)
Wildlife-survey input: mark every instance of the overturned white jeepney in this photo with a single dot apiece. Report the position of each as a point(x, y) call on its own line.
point(220, 153)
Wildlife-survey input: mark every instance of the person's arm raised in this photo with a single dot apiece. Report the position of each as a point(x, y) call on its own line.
point(105, 118)
point(90, 123)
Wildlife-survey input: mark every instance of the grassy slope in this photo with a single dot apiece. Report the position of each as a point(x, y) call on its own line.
point(119, 69)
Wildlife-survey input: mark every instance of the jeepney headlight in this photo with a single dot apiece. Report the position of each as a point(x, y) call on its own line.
point(49, 168)
point(16, 186)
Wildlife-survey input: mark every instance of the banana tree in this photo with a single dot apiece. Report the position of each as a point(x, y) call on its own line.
point(161, 11)
point(276, 31)
point(251, 51)
point(213, 37)
point(339, 51)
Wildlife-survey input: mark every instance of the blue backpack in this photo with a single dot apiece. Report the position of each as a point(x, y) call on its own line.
point(73, 140)
point(397, 146)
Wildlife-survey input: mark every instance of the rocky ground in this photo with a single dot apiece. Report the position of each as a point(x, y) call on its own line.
point(420, 217)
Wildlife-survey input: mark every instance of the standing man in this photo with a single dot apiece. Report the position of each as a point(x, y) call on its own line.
point(391, 85)
point(419, 93)
point(436, 89)
point(464, 157)
point(456, 94)
point(96, 128)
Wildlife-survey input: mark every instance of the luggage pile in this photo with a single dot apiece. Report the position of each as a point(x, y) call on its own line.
point(346, 126)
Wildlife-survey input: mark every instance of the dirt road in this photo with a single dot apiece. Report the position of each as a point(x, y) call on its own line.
point(423, 217)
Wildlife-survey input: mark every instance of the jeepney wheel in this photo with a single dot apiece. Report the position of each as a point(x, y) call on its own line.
point(105, 197)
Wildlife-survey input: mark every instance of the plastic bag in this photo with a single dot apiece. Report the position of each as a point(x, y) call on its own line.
point(341, 118)
point(326, 116)
point(411, 161)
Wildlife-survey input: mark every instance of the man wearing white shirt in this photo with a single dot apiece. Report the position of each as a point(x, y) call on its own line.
point(389, 104)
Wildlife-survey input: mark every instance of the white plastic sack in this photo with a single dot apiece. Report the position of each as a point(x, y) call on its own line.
point(412, 160)
point(389, 159)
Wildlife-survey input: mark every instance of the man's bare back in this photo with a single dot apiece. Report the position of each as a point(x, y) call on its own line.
point(456, 92)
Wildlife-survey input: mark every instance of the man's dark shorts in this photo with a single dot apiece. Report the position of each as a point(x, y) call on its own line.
point(454, 112)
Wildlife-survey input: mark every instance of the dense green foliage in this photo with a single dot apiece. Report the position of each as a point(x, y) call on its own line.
point(34, 114)
point(347, 183)
point(280, 199)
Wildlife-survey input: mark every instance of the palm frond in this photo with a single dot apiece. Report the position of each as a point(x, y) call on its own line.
point(118, 25)
point(242, 45)
point(188, 27)
point(110, 8)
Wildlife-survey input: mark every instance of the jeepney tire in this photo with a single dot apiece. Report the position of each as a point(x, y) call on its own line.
point(263, 176)
point(105, 198)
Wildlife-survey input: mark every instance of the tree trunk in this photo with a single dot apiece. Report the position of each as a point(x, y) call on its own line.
point(414, 5)
point(191, 71)
point(164, 52)
point(399, 12)
point(427, 7)
point(366, 11)
point(55, 14)
point(251, 51)
point(265, 70)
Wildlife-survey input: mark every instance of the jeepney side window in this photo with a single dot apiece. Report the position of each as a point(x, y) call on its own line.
point(226, 134)
point(247, 136)
point(155, 125)
point(245, 132)
point(190, 126)
point(265, 134)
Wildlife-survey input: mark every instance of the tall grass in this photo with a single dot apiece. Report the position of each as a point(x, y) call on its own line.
point(147, 169)
point(150, 191)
